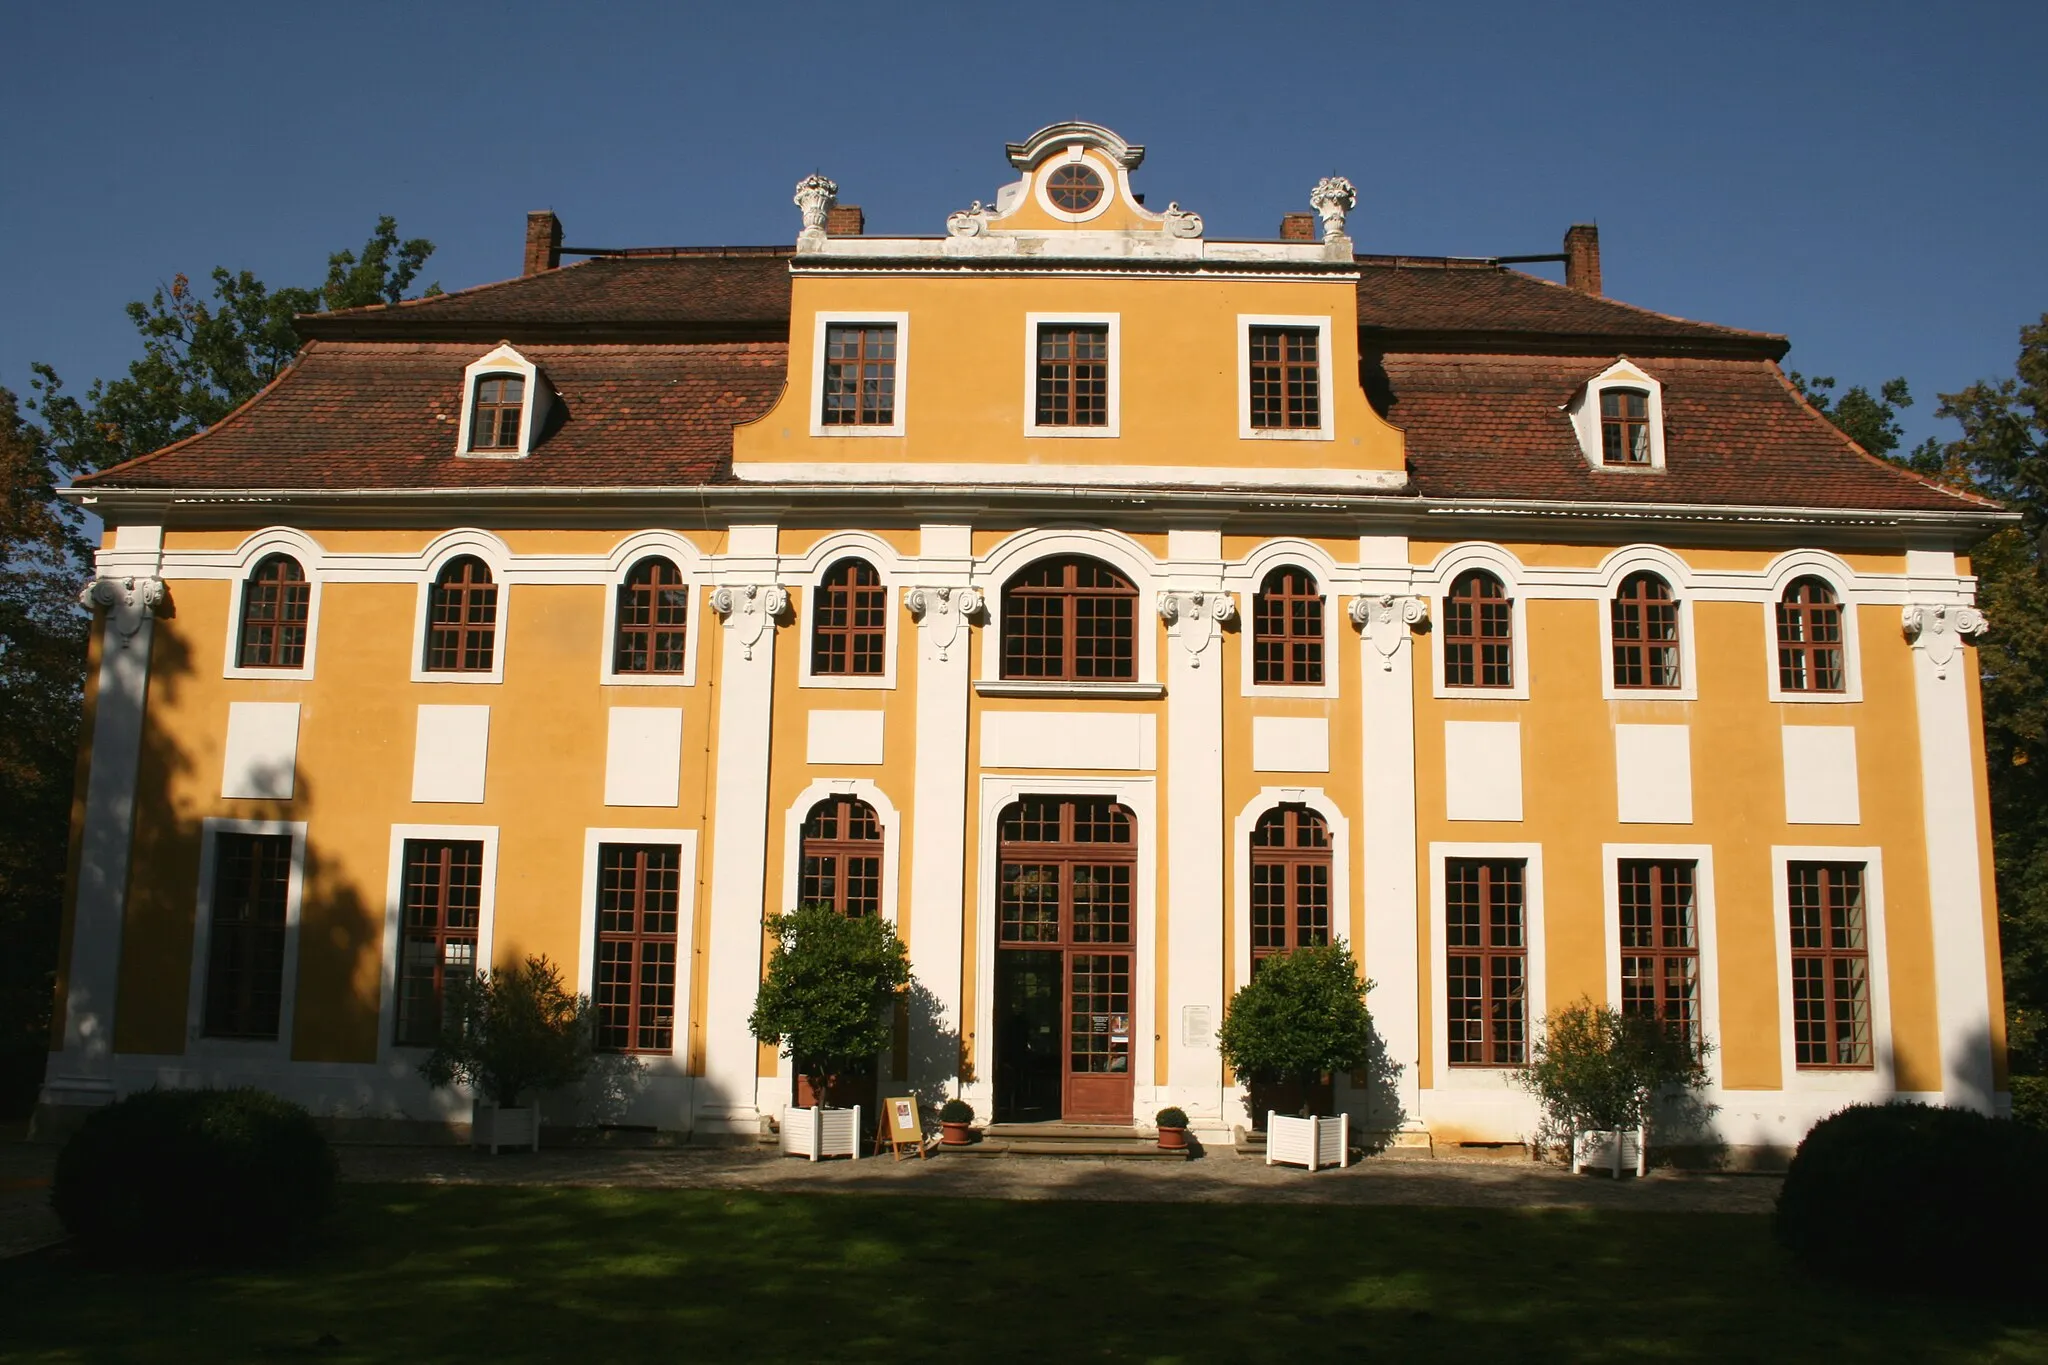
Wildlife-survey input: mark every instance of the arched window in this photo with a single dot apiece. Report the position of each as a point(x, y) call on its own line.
point(1290, 882)
point(1644, 616)
point(842, 857)
point(494, 417)
point(651, 625)
point(1479, 644)
point(850, 622)
point(1624, 427)
point(1070, 619)
point(1810, 638)
point(462, 618)
point(275, 603)
point(1287, 629)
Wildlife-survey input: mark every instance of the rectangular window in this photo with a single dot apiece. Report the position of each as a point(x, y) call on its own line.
point(1660, 943)
point(252, 876)
point(639, 899)
point(1073, 375)
point(1486, 961)
point(1830, 966)
point(441, 911)
point(1286, 379)
point(860, 375)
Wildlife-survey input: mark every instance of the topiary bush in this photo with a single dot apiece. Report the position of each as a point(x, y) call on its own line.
point(1918, 1197)
point(829, 995)
point(173, 1175)
point(956, 1111)
point(1301, 1015)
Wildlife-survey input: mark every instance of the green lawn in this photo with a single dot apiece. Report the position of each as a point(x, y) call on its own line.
point(423, 1273)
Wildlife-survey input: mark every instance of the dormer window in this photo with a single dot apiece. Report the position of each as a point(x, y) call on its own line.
point(494, 415)
point(1074, 187)
point(1625, 426)
point(1618, 416)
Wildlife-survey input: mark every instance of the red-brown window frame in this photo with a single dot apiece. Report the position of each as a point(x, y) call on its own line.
point(651, 619)
point(1659, 920)
point(462, 618)
point(1830, 957)
point(496, 411)
point(1813, 649)
point(1287, 629)
point(1115, 602)
point(1502, 928)
point(1286, 378)
point(1078, 181)
point(638, 1014)
point(841, 851)
point(864, 374)
point(1072, 390)
point(277, 606)
point(850, 622)
point(1020, 841)
point(1623, 430)
point(1643, 658)
point(1479, 632)
point(1291, 845)
point(245, 946)
point(438, 911)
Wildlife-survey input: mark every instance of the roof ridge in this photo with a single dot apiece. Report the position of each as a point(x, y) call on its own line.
point(378, 309)
point(1856, 446)
point(240, 411)
point(1646, 312)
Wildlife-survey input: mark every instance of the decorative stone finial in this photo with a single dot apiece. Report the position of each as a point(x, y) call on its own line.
point(815, 195)
point(1181, 223)
point(1333, 198)
point(968, 222)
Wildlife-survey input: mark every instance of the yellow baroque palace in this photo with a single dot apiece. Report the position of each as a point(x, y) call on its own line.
point(1108, 606)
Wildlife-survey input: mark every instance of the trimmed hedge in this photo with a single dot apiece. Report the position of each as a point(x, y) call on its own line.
point(1918, 1197)
point(179, 1174)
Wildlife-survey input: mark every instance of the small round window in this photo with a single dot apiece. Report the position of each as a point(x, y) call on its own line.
point(1074, 187)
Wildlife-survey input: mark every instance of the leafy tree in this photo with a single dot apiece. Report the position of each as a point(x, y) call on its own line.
point(510, 1033)
point(830, 992)
point(1300, 1016)
point(1596, 1069)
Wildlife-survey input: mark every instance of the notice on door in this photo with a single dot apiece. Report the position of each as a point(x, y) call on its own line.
point(1195, 1028)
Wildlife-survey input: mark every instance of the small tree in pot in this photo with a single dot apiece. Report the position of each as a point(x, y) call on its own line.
point(829, 999)
point(507, 1035)
point(1172, 1122)
point(956, 1123)
point(1302, 1015)
point(1597, 1071)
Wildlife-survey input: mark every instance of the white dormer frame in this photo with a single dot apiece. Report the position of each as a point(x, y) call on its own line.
point(1115, 182)
point(1584, 412)
point(539, 397)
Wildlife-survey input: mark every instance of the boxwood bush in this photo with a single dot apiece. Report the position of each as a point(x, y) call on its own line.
point(171, 1175)
point(1916, 1196)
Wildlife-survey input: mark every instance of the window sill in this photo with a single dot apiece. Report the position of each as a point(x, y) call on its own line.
point(1022, 687)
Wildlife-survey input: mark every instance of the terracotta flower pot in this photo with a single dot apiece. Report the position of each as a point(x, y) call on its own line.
point(955, 1134)
point(1173, 1139)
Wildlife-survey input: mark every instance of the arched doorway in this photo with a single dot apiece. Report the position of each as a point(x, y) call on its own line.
point(1066, 867)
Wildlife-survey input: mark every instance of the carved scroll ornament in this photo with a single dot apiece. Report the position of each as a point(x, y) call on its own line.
point(942, 613)
point(749, 612)
point(1940, 629)
point(1196, 618)
point(127, 602)
point(1385, 621)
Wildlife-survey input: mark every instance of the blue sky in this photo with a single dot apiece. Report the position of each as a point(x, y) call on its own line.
point(1866, 178)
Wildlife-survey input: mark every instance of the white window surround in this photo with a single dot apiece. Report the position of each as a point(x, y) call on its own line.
point(1111, 321)
point(394, 912)
point(1618, 567)
point(1341, 917)
point(901, 322)
point(1112, 182)
point(1245, 580)
point(538, 398)
point(1705, 924)
point(793, 836)
point(273, 540)
point(1495, 1078)
point(269, 1049)
point(1004, 561)
point(629, 552)
point(818, 561)
point(1879, 1083)
point(1584, 412)
point(1783, 571)
point(686, 927)
point(1325, 429)
point(494, 554)
point(1441, 576)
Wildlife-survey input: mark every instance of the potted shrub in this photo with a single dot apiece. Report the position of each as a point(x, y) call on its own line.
point(828, 1001)
point(956, 1123)
point(1173, 1128)
point(508, 1035)
point(1596, 1072)
point(1302, 1015)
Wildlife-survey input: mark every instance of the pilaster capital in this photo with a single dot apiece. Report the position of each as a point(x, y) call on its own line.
point(1939, 628)
point(1385, 619)
point(749, 611)
point(941, 613)
point(127, 603)
point(1195, 618)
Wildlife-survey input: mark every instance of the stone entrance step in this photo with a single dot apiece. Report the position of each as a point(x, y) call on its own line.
point(1063, 1140)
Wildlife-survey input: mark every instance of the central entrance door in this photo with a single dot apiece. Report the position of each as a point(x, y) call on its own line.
point(1063, 961)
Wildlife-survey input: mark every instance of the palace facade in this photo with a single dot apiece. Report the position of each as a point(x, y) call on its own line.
point(1107, 605)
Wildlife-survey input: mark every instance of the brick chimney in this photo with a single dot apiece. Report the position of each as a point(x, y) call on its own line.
point(845, 220)
point(1297, 227)
point(1582, 258)
point(543, 242)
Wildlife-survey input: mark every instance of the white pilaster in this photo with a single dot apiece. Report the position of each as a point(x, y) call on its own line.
point(1386, 617)
point(83, 1071)
point(739, 841)
point(1954, 861)
point(942, 603)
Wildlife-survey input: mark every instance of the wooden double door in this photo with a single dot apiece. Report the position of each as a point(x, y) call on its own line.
point(1064, 955)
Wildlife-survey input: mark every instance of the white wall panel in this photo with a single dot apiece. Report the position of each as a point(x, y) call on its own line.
point(449, 753)
point(1290, 744)
point(1653, 774)
point(1820, 775)
point(643, 756)
point(261, 759)
point(844, 737)
point(1069, 739)
point(1482, 770)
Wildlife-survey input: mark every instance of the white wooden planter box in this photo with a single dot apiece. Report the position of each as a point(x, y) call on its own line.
point(1610, 1150)
point(493, 1127)
point(817, 1133)
point(1313, 1142)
